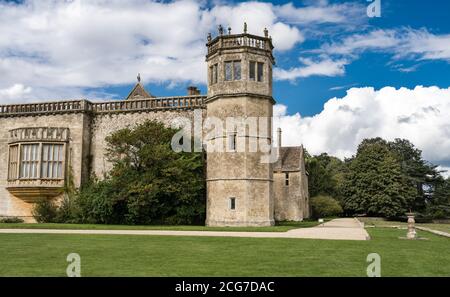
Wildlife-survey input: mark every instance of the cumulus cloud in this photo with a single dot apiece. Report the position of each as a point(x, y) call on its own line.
point(98, 43)
point(421, 115)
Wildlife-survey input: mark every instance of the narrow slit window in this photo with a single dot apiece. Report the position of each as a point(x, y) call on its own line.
point(213, 73)
point(260, 72)
point(286, 179)
point(237, 70)
point(228, 71)
point(232, 203)
point(211, 76)
point(232, 141)
point(13, 161)
point(252, 70)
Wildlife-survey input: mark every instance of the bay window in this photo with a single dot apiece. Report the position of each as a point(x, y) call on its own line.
point(36, 161)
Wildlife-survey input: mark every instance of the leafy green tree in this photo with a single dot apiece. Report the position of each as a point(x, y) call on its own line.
point(374, 183)
point(325, 175)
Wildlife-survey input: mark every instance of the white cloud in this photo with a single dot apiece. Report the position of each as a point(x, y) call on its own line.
point(47, 44)
point(445, 171)
point(421, 115)
point(324, 67)
point(90, 44)
point(425, 45)
point(402, 43)
point(323, 12)
point(15, 91)
point(357, 43)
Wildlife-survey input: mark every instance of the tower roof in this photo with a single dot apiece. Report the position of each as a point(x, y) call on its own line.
point(245, 40)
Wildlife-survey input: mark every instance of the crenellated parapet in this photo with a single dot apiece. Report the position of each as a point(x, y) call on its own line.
point(239, 41)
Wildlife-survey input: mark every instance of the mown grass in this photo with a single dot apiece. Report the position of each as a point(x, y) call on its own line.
point(380, 223)
point(126, 255)
point(279, 227)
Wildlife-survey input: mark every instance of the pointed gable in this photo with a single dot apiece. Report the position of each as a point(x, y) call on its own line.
point(138, 92)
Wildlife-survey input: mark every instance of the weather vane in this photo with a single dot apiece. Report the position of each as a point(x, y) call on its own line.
point(139, 77)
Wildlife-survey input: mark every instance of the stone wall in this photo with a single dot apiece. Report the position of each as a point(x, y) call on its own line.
point(241, 174)
point(89, 124)
point(291, 201)
point(77, 153)
point(288, 198)
point(104, 125)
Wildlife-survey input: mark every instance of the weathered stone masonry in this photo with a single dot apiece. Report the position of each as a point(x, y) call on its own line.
point(88, 125)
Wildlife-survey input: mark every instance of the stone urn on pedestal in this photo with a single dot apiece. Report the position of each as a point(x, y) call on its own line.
point(411, 226)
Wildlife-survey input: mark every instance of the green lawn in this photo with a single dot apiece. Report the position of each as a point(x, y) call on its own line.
point(379, 223)
point(280, 227)
point(113, 255)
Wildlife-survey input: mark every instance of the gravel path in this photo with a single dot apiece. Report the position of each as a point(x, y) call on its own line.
point(337, 229)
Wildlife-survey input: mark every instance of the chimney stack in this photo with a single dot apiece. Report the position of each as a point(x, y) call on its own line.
point(193, 91)
point(279, 138)
point(279, 146)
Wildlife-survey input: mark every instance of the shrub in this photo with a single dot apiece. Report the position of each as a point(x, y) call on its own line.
point(11, 220)
point(438, 211)
point(325, 206)
point(45, 211)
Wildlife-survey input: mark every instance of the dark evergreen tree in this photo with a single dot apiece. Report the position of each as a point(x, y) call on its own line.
point(374, 183)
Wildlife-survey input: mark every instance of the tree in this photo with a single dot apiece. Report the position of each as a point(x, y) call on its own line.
point(374, 183)
point(439, 206)
point(418, 172)
point(325, 175)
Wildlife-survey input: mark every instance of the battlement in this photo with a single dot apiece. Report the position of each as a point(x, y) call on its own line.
point(239, 41)
point(77, 106)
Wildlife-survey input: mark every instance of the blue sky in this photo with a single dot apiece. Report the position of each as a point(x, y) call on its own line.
point(340, 75)
point(377, 69)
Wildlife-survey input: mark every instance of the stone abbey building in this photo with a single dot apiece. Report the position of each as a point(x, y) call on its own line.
point(41, 142)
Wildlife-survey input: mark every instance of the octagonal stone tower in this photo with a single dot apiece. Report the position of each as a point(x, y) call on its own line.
point(239, 182)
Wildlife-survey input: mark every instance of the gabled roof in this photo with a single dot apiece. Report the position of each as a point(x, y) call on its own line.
point(139, 92)
point(291, 159)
